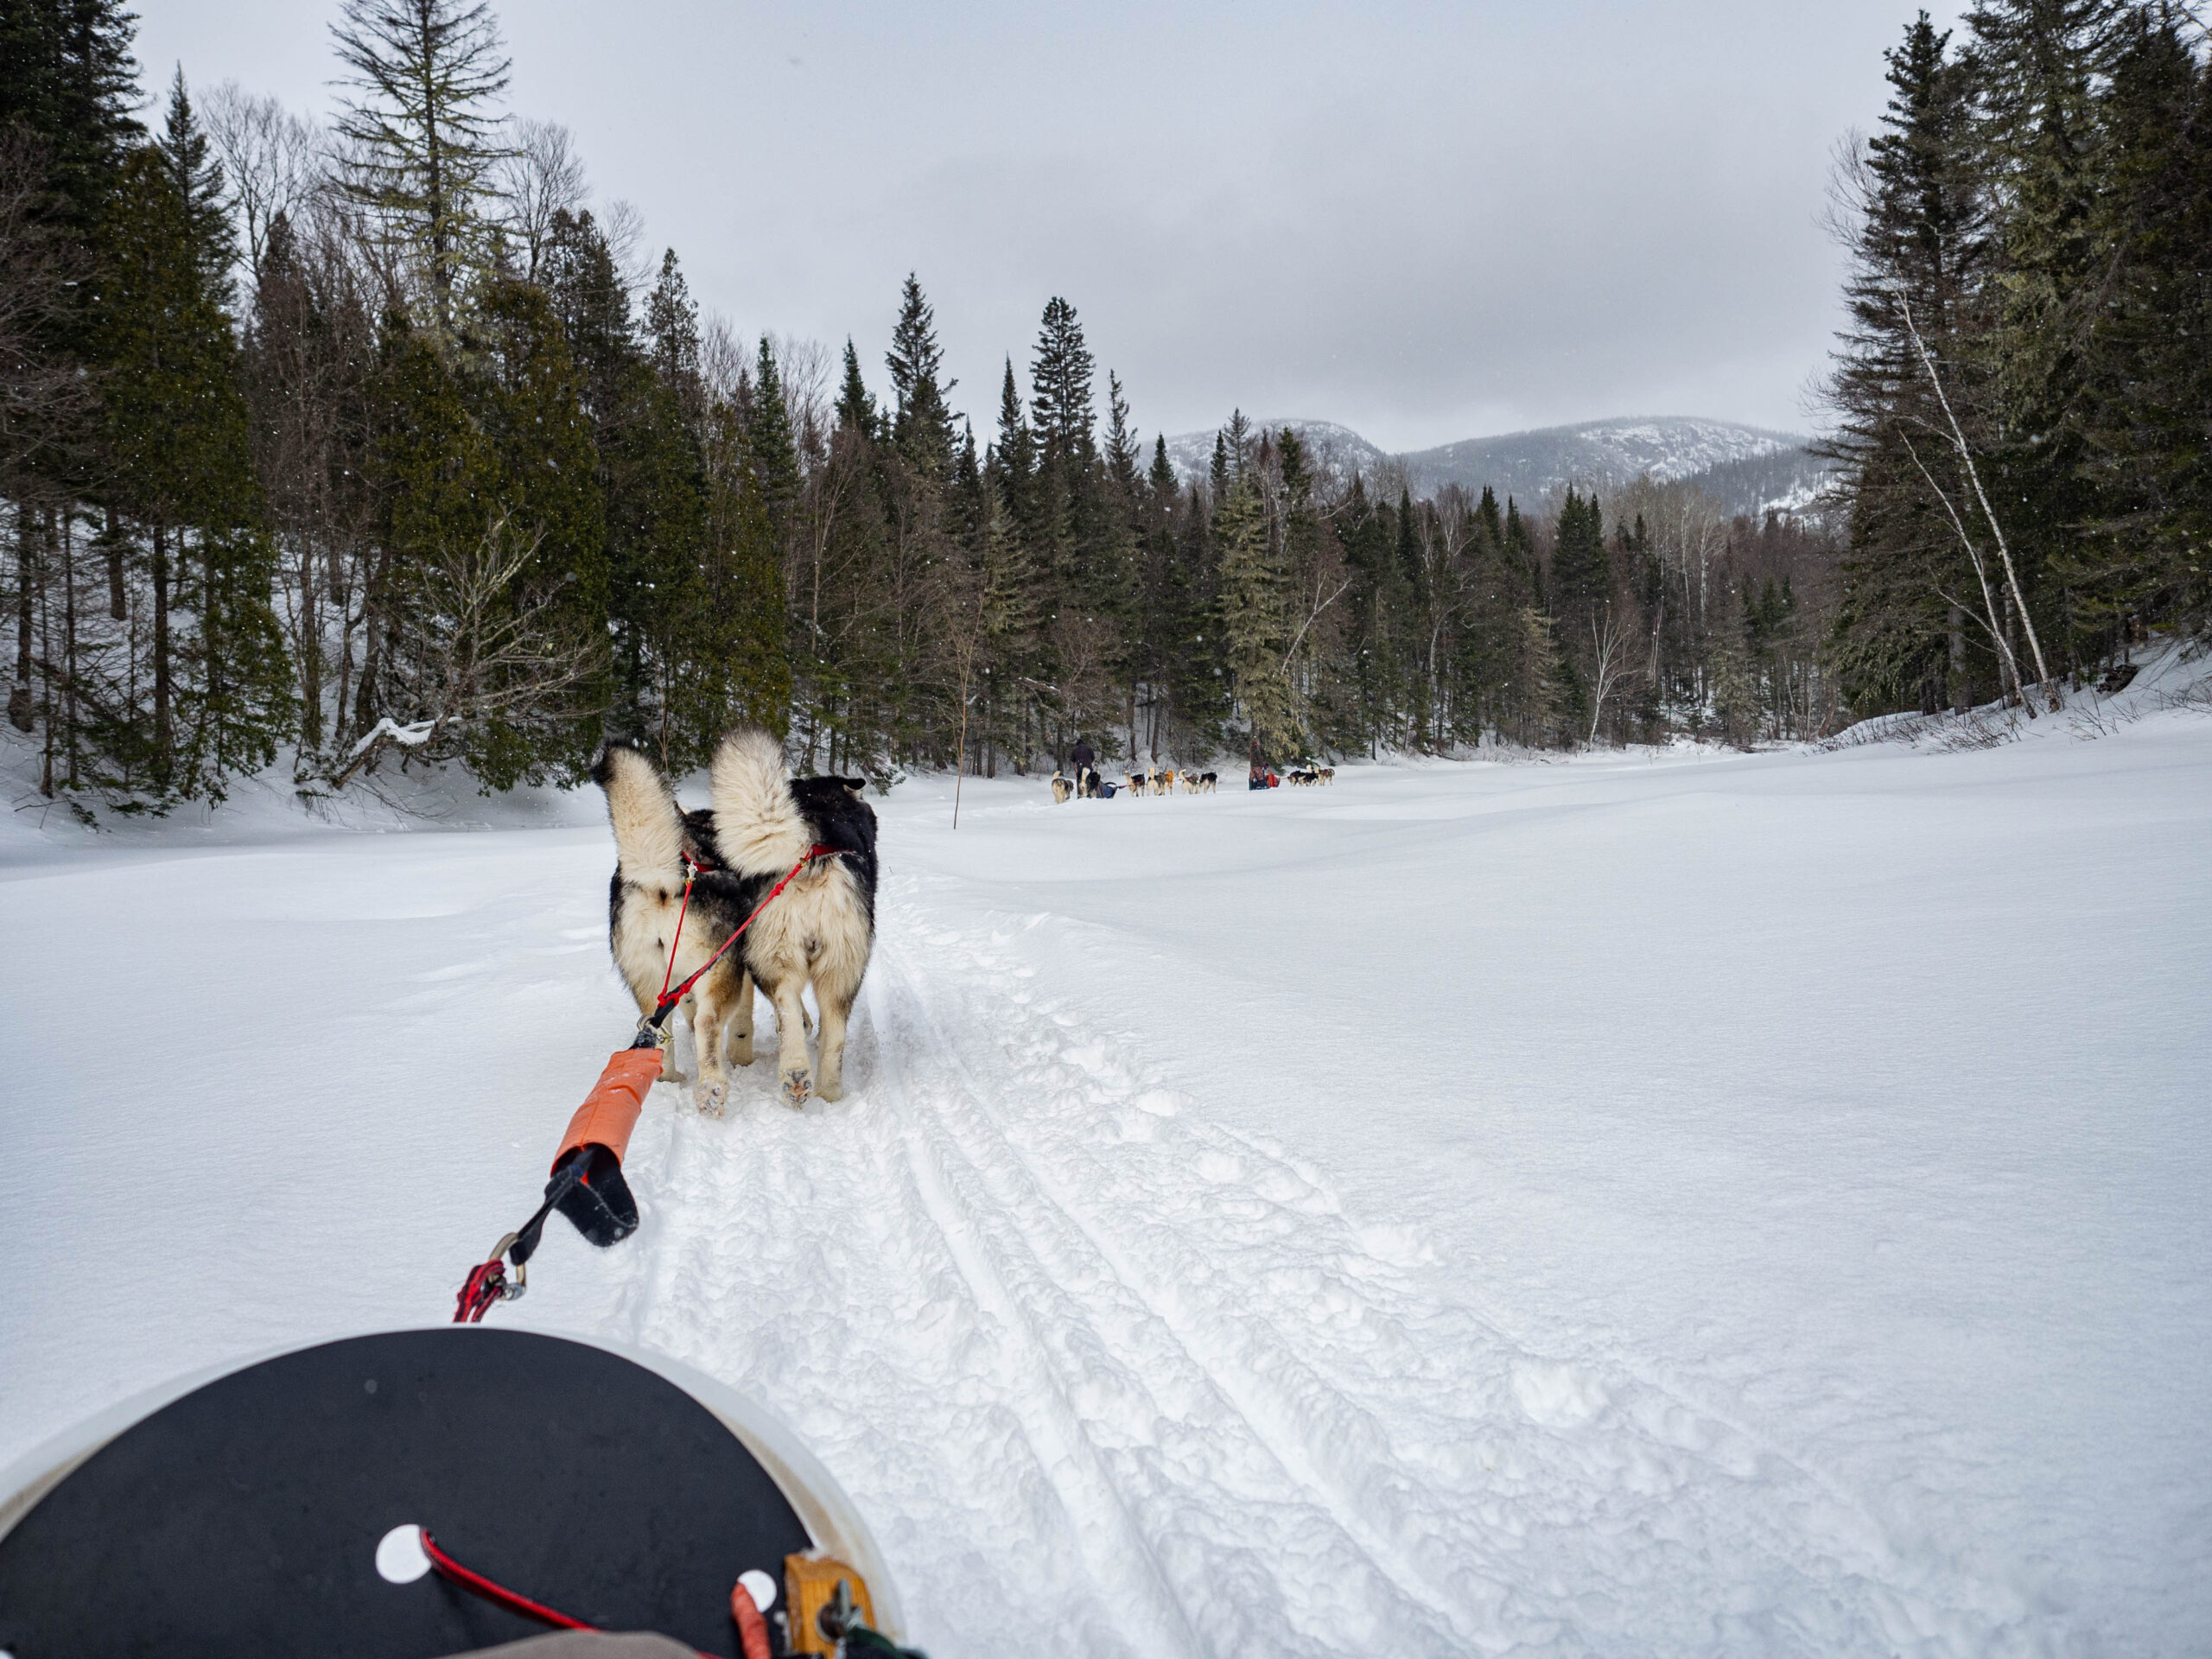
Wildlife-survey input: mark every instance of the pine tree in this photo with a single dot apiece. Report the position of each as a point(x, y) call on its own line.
point(1919, 263)
point(2147, 375)
point(67, 80)
point(1060, 380)
point(199, 180)
point(424, 75)
point(1122, 446)
point(176, 449)
point(1580, 574)
point(855, 411)
point(1255, 632)
point(1016, 450)
point(544, 480)
point(672, 333)
point(769, 445)
point(2038, 64)
point(921, 420)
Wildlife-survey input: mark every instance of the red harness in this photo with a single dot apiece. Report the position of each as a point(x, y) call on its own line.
point(669, 999)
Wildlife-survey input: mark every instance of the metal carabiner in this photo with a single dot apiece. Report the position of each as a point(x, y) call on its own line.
point(511, 1288)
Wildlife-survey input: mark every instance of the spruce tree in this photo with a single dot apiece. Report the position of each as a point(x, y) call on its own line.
point(1122, 446)
point(176, 452)
point(672, 335)
point(424, 78)
point(921, 420)
point(1580, 572)
point(769, 445)
point(2147, 375)
point(199, 179)
point(545, 479)
point(1254, 628)
point(67, 80)
point(856, 410)
point(1919, 261)
point(1059, 381)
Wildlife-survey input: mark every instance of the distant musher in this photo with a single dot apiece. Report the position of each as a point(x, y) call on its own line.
point(1084, 762)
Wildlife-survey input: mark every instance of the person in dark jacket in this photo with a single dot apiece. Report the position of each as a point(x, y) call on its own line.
point(1085, 763)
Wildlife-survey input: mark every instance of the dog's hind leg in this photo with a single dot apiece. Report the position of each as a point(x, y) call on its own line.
point(739, 1041)
point(711, 1086)
point(837, 1009)
point(791, 1040)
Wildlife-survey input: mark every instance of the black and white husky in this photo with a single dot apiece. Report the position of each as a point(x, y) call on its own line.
point(821, 929)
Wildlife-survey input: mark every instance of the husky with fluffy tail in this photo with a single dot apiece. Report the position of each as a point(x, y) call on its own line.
point(822, 928)
point(652, 837)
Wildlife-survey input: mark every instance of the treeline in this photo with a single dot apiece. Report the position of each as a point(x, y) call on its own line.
point(2024, 393)
point(379, 443)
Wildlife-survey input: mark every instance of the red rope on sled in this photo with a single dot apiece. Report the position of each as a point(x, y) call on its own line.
point(751, 1628)
point(476, 1583)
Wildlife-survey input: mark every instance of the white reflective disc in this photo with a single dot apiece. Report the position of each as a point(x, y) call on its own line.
point(759, 1585)
point(400, 1559)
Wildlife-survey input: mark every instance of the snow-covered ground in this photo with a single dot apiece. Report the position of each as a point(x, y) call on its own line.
point(1657, 1205)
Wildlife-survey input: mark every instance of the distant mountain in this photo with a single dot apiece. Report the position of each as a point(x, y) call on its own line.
point(1533, 464)
point(1338, 449)
point(1748, 469)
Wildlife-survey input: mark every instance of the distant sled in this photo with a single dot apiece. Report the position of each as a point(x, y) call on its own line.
point(268, 1509)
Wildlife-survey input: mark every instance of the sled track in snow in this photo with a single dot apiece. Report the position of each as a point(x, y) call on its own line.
point(1096, 1366)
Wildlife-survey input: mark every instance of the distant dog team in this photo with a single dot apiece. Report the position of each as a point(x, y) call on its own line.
point(1163, 781)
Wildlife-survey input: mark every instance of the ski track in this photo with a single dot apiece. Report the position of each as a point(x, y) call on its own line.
point(1096, 1366)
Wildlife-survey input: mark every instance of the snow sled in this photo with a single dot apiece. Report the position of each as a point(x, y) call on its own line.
point(275, 1508)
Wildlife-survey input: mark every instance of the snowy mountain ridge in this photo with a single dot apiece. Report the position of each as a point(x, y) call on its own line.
point(1751, 468)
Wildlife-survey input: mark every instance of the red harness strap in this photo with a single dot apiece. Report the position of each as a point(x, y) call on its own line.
point(669, 999)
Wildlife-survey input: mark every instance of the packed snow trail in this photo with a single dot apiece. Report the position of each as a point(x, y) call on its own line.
point(1750, 1205)
point(1178, 1402)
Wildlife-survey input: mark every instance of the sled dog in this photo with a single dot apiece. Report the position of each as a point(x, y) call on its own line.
point(1062, 788)
point(652, 837)
point(821, 929)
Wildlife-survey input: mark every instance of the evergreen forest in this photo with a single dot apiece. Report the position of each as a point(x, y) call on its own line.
point(363, 444)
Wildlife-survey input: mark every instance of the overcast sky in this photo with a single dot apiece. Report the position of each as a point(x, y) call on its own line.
point(1427, 222)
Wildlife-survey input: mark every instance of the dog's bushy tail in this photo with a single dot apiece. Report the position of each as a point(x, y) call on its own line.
point(648, 826)
point(757, 820)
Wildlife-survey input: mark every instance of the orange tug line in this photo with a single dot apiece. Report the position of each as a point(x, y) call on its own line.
point(604, 1121)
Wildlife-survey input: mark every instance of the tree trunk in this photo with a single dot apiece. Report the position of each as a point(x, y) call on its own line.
point(118, 606)
point(69, 644)
point(1962, 695)
point(19, 695)
point(310, 657)
point(162, 735)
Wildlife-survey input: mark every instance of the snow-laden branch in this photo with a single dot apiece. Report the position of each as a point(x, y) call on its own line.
point(387, 730)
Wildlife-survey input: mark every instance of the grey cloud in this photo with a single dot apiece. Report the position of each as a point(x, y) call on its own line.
point(1423, 221)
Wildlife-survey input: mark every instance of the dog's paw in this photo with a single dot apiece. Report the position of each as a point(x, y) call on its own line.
point(740, 1052)
point(709, 1097)
point(831, 1092)
point(798, 1084)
